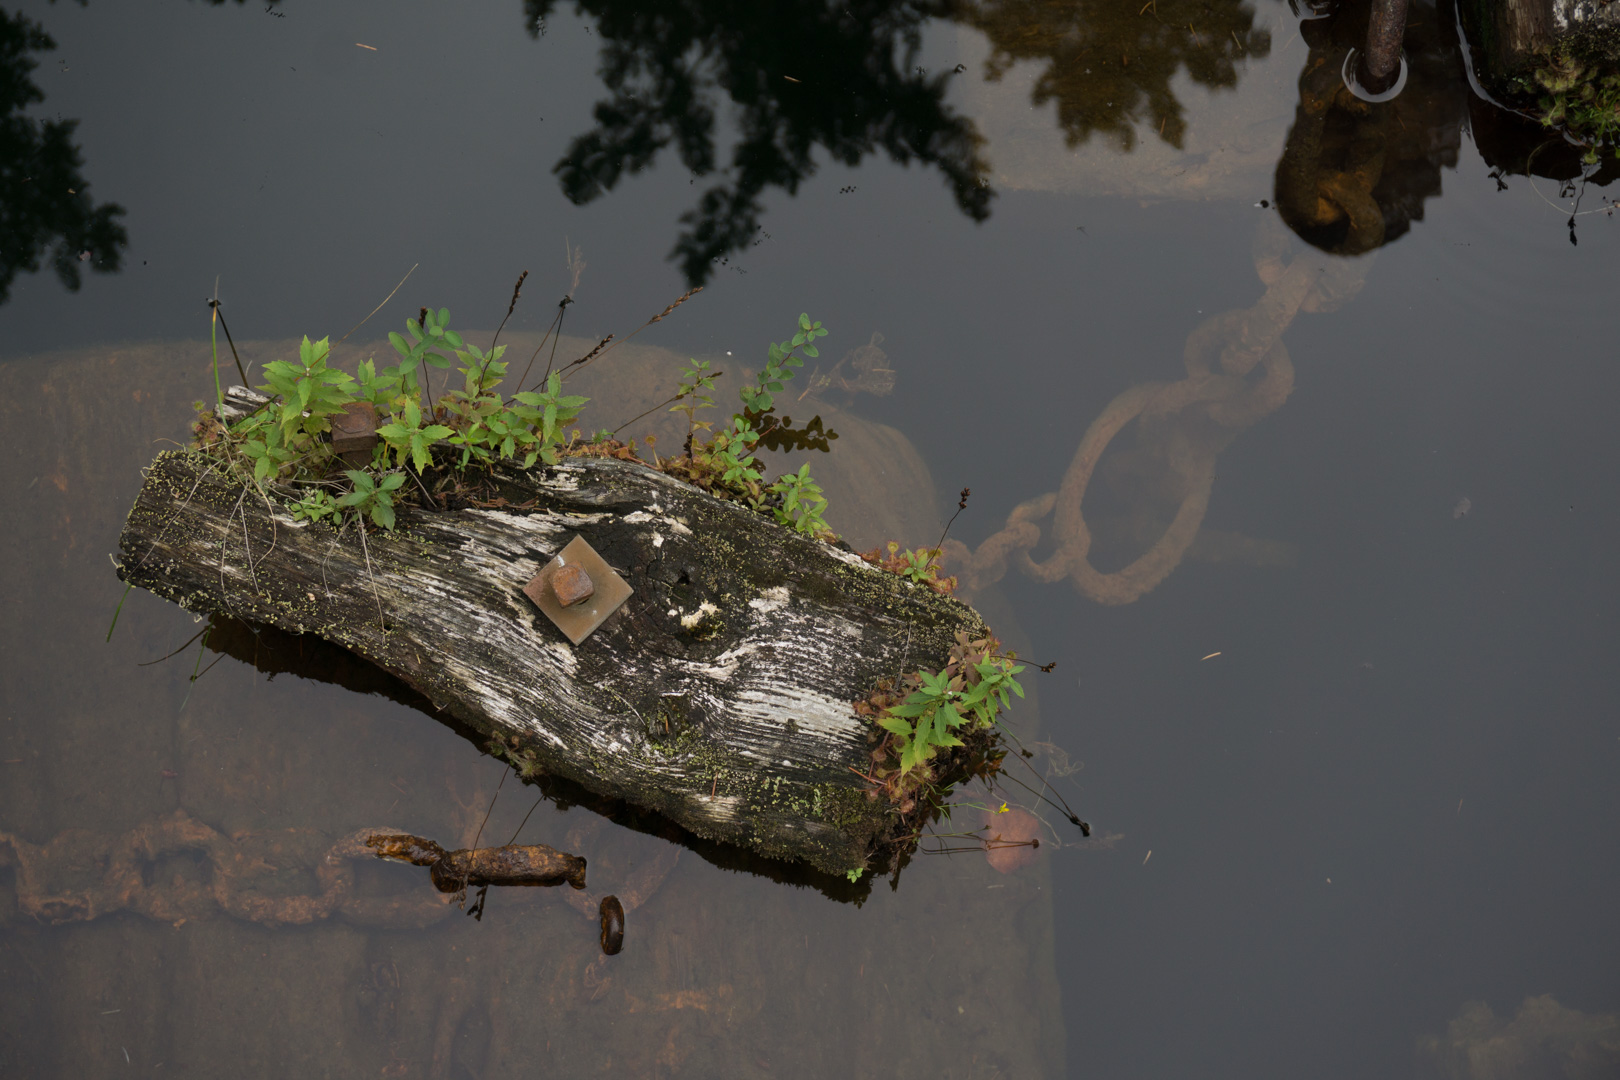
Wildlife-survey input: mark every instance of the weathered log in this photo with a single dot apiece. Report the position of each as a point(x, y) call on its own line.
point(719, 695)
point(1514, 40)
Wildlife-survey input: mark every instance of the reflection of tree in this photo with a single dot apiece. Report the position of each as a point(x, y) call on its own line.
point(43, 199)
point(1109, 65)
point(800, 74)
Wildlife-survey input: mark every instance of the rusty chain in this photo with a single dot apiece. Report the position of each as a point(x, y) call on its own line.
point(178, 868)
point(1237, 371)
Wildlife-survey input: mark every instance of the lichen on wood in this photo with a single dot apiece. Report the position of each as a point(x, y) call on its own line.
point(719, 695)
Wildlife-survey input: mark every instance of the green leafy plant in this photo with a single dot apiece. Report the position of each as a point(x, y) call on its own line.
point(1577, 96)
point(310, 391)
point(732, 451)
point(691, 395)
point(550, 412)
point(802, 502)
point(274, 438)
point(925, 713)
point(409, 438)
point(779, 365)
point(381, 390)
point(426, 346)
point(260, 443)
point(924, 722)
point(284, 444)
point(919, 566)
point(374, 498)
point(972, 690)
point(725, 465)
point(316, 505)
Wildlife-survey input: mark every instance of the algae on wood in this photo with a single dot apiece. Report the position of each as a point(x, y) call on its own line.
point(719, 695)
point(1515, 41)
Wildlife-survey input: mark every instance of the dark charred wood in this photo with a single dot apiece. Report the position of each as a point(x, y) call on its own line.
point(719, 695)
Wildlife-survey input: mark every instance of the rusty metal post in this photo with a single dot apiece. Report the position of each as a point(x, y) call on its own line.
point(1380, 62)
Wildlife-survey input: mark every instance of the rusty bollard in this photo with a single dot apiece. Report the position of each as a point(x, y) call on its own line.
point(1379, 65)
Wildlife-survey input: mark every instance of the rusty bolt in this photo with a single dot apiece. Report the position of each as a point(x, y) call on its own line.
point(572, 585)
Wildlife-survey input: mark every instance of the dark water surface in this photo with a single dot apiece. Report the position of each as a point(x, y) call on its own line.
point(1357, 750)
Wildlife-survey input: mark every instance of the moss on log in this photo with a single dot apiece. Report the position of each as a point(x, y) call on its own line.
point(1524, 49)
point(719, 695)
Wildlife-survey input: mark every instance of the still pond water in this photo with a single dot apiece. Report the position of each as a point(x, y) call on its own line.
point(1348, 736)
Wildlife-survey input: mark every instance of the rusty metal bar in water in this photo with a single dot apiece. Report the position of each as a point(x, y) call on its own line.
point(1380, 62)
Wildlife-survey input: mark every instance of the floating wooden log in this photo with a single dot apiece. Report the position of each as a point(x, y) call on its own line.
point(718, 695)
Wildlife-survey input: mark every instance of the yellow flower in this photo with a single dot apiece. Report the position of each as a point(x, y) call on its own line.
point(1003, 809)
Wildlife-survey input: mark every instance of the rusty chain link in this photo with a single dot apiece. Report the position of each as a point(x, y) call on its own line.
point(80, 875)
point(178, 868)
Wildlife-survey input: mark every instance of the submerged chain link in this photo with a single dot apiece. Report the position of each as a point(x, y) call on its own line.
point(179, 868)
point(1238, 370)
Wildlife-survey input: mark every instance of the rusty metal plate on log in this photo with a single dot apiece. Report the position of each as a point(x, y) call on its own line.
point(607, 590)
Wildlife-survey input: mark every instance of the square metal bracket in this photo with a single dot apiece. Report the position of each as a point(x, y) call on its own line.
point(606, 592)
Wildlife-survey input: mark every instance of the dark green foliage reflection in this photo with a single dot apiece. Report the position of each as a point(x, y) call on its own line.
point(844, 78)
point(1109, 65)
point(45, 207)
point(800, 74)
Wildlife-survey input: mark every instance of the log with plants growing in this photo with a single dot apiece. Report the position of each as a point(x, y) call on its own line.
point(764, 685)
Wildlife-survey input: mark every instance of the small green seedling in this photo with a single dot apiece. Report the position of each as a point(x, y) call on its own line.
point(372, 498)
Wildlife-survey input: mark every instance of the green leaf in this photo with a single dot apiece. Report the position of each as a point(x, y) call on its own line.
point(383, 514)
point(899, 727)
point(391, 482)
point(419, 454)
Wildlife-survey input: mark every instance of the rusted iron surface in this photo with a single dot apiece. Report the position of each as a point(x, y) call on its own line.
point(576, 606)
point(1380, 62)
point(571, 585)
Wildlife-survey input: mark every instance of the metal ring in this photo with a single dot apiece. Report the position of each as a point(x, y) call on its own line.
point(1348, 73)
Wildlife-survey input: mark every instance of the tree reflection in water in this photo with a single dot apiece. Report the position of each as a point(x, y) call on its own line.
point(44, 201)
point(845, 78)
point(1109, 65)
point(800, 74)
